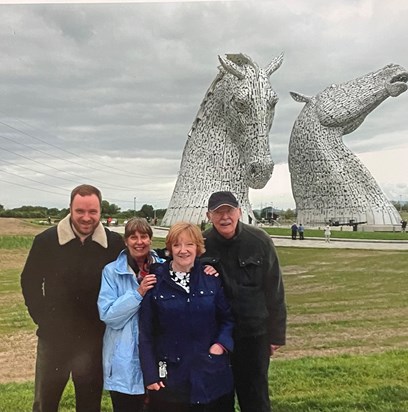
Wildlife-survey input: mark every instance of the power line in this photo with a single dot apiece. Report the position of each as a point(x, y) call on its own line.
point(69, 173)
point(31, 180)
point(30, 187)
point(124, 173)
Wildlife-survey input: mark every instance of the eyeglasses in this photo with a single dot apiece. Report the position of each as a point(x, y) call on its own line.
point(224, 210)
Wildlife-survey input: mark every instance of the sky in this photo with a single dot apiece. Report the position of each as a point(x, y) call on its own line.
point(105, 94)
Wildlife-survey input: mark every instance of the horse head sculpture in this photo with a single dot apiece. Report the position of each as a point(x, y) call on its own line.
point(249, 107)
point(329, 183)
point(228, 144)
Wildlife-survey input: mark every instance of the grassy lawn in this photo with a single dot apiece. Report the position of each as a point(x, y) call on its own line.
point(347, 332)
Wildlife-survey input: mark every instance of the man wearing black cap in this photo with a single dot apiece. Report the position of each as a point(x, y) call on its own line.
point(252, 280)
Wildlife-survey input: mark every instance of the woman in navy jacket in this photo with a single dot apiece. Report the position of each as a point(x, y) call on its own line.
point(186, 331)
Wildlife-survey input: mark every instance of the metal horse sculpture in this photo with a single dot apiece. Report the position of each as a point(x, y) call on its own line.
point(329, 183)
point(228, 145)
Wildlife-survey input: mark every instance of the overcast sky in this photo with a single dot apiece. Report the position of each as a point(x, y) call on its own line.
point(106, 93)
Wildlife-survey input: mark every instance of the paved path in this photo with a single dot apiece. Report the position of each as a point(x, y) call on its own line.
point(313, 242)
point(341, 244)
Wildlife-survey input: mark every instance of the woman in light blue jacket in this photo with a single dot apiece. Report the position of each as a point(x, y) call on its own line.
point(124, 284)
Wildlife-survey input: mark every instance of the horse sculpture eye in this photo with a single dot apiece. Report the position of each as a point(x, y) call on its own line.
point(240, 105)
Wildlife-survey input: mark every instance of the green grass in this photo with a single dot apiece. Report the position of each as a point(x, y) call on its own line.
point(342, 383)
point(13, 313)
point(341, 300)
point(347, 332)
point(16, 242)
point(375, 383)
point(19, 397)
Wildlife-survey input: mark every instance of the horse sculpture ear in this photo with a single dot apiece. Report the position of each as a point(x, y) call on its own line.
point(274, 64)
point(232, 68)
point(301, 98)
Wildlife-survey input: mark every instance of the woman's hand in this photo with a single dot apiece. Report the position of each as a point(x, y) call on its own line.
point(155, 386)
point(146, 284)
point(216, 349)
point(210, 270)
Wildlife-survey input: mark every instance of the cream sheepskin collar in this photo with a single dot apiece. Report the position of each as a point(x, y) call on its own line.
point(66, 234)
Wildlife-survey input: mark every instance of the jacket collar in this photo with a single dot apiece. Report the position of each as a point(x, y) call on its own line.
point(66, 234)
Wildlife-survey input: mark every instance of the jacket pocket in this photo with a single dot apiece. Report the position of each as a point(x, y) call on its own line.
point(213, 377)
point(251, 268)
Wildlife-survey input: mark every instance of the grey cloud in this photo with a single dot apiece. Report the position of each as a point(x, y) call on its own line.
point(114, 81)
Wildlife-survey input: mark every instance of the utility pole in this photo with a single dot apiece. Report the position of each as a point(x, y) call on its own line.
point(134, 206)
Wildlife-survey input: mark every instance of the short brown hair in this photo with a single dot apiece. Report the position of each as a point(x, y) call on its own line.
point(86, 190)
point(192, 230)
point(138, 224)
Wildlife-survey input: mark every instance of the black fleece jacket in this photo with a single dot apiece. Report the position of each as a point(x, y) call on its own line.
point(61, 281)
point(252, 279)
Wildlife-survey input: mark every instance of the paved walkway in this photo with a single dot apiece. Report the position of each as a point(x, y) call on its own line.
point(286, 241)
point(341, 244)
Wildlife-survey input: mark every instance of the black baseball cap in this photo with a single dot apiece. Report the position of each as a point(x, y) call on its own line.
point(218, 199)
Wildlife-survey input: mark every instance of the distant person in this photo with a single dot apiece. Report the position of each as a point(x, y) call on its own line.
point(301, 231)
point(186, 329)
point(252, 279)
point(60, 283)
point(294, 230)
point(327, 233)
point(403, 225)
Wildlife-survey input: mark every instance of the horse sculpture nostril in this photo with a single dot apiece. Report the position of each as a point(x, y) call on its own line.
point(259, 173)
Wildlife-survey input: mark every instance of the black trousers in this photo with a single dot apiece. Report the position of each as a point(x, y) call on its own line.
point(123, 402)
point(56, 362)
point(250, 364)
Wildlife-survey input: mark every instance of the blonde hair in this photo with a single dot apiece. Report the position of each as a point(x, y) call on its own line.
point(191, 230)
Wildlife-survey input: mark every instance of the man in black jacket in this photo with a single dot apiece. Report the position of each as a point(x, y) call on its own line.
point(252, 280)
point(60, 283)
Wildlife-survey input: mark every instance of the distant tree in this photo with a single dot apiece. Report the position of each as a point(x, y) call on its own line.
point(105, 207)
point(53, 211)
point(126, 214)
point(109, 209)
point(1, 207)
point(257, 214)
point(289, 214)
point(160, 213)
point(63, 212)
point(113, 209)
point(147, 211)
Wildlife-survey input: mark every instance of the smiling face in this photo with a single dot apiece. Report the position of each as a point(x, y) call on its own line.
point(184, 252)
point(138, 245)
point(85, 214)
point(225, 220)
